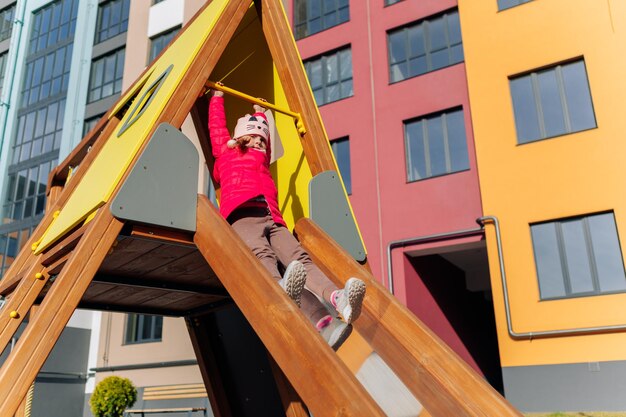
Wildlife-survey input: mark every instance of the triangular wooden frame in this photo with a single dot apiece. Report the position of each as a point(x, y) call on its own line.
point(435, 375)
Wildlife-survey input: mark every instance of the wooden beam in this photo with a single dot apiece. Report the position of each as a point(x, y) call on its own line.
point(294, 407)
point(158, 233)
point(41, 334)
point(162, 285)
point(63, 246)
point(58, 176)
point(199, 332)
point(437, 376)
point(20, 302)
point(154, 311)
point(293, 79)
point(315, 371)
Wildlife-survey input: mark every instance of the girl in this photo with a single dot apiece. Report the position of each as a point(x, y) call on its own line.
point(249, 202)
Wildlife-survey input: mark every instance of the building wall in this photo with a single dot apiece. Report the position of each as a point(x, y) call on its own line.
point(175, 349)
point(568, 175)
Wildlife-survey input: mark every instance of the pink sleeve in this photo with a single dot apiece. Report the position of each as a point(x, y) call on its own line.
point(217, 126)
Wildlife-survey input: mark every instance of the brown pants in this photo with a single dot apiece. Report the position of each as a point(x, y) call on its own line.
point(272, 243)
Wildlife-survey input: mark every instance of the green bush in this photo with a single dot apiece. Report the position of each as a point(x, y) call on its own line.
point(112, 396)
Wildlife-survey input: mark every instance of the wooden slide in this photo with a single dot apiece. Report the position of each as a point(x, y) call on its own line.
point(110, 241)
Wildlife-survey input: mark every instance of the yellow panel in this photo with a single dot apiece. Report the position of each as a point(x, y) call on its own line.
point(292, 171)
point(107, 170)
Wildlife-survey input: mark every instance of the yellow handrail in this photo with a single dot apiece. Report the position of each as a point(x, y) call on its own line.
point(296, 116)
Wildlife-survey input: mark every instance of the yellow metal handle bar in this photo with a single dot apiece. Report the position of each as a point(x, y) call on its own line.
point(296, 116)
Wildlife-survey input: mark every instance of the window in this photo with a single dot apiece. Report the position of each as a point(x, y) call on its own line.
point(341, 150)
point(552, 102)
point(425, 46)
point(53, 25)
point(3, 66)
point(390, 2)
point(106, 76)
point(159, 42)
point(330, 76)
point(6, 22)
point(578, 256)
point(435, 145)
point(312, 16)
point(90, 124)
point(47, 75)
point(507, 4)
point(112, 19)
point(38, 132)
point(26, 193)
point(141, 328)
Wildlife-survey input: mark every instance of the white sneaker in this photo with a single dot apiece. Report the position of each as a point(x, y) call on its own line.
point(293, 281)
point(336, 332)
point(349, 300)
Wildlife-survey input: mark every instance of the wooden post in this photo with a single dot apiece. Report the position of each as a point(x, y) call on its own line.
point(41, 334)
point(318, 375)
point(200, 340)
point(294, 407)
point(438, 378)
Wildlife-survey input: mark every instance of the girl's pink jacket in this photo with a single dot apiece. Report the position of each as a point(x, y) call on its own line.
point(242, 175)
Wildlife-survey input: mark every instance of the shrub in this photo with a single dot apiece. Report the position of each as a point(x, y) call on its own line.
point(112, 396)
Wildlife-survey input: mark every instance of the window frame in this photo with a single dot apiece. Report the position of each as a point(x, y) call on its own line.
point(4, 58)
point(120, 27)
point(6, 32)
point(519, 3)
point(340, 82)
point(443, 114)
point(133, 329)
point(423, 25)
point(322, 14)
point(152, 55)
point(118, 75)
point(536, 93)
point(562, 260)
point(334, 145)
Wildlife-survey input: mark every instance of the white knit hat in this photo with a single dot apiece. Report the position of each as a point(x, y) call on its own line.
point(252, 125)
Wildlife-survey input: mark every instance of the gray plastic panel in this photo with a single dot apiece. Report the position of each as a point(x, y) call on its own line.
point(163, 185)
point(329, 208)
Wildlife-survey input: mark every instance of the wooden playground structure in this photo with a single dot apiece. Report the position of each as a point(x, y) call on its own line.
point(112, 240)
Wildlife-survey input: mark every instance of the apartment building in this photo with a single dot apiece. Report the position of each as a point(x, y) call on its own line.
point(545, 88)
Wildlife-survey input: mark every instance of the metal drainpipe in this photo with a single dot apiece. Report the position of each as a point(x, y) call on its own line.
point(421, 239)
point(7, 93)
point(541, 334)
